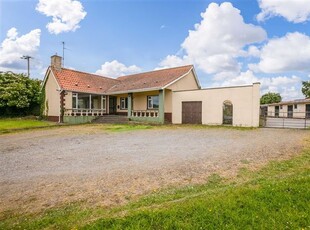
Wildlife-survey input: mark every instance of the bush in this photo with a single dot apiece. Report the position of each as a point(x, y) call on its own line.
point(19, 95)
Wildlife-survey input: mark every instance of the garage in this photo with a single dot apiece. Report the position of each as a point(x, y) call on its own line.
point(233, 105)
point(191, 112)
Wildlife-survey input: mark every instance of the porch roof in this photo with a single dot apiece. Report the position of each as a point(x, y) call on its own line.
point(78, 81)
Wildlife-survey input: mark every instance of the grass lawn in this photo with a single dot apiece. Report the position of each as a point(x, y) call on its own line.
point(275, 197)
point(13, 124)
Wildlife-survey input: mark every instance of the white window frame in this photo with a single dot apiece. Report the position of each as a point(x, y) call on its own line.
point(75, 97)
point(123, 103)
point(104, 103)
point(150, 101)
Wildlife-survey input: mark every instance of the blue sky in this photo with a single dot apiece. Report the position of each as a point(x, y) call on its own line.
point(234, 42)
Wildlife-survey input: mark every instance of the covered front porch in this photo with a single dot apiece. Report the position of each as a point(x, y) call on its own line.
point(146, 106)
point(82, 107)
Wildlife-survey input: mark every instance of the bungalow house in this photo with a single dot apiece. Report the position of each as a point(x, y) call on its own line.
point(142, 97)
point(169, 95)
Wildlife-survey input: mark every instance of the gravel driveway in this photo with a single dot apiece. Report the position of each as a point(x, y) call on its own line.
point(45, 168)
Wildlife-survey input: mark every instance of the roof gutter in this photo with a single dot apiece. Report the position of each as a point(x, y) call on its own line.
point(133, 91)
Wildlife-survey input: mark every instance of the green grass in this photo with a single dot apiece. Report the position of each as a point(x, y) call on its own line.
point(10, 125)
point(275, 197)
point(125, 127)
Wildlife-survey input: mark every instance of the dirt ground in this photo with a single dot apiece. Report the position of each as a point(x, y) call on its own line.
point(49, 167)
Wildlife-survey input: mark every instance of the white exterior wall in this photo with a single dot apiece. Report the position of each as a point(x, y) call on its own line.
point(245, 100)
point(300, 111)
point(297, 113)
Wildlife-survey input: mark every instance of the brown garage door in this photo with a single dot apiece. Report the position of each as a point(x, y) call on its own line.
point(191, 112)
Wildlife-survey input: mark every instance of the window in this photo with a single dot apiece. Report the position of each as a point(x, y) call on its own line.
point(74, 100)
point(152, 102)
point(95, 102)
point(281, 107)
point(83, 101)
point(295, 106)
point(124, 102)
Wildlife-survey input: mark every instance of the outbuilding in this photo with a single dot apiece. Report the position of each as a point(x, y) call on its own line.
point(237, 106)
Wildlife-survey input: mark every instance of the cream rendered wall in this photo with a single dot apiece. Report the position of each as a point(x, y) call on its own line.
point(52, 96)
point(168, 101)
point(68, 100)
point(245, 100)
point(188, 82)
point(283, 111)
point(271, 110)
point(300, 111)
point(140, 99)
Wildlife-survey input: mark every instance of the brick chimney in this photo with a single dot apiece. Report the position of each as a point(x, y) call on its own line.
point(56, 62)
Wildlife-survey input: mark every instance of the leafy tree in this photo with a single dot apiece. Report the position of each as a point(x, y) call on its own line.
point(269, 98)
point(19, 95)
point(306, 88)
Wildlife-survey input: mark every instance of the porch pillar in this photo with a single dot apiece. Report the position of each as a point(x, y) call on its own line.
point(129, 109)
point(62, 106)
point(161, 109)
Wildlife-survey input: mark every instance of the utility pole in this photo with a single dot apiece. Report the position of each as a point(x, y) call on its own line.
point(27, 57)
point(63, 54)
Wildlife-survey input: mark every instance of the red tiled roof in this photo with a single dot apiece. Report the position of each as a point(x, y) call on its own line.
point(154, 79)
point(73, 80)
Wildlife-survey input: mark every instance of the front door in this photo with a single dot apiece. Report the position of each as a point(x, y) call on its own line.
point(276, 111)
point(290, 111)
point(112, 105)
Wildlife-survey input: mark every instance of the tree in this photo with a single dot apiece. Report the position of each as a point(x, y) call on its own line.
point(306, 88)
point(269, 98)
point(19, 95)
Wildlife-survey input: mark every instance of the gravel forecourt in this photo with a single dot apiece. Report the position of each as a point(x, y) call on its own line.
point(50, 167)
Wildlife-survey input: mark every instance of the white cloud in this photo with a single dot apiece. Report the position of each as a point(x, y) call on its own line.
point(288, 87)
point(14, 46)
point(253, 51)
point(66, 14)
point(173, 61)
point(229, 79)
point(217, 40)
point(117, 69)
point(288, 53)
point(293, 10)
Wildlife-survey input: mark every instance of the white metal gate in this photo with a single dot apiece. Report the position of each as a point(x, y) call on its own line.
point(285, 122)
